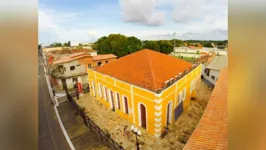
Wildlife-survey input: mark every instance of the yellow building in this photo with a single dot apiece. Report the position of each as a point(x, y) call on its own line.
point(148, 88)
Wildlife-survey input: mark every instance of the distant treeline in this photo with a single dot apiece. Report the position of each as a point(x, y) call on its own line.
point(121, 45)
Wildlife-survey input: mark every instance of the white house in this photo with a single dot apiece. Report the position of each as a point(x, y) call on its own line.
point(212, 70)
point(205, 49)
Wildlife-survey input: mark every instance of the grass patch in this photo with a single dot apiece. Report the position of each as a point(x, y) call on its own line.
point(189, 59)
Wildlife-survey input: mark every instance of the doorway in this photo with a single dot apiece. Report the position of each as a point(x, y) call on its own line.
point(143, 122)
point(169, 113)
point(112, 100)
point(178, 110)
point(64, 84)
point(93, 88)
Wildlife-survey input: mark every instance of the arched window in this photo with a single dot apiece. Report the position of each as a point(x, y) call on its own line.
point(126, 105)
point(118, 100)
point(105, 94)
point(100, 90)
point(184, 94)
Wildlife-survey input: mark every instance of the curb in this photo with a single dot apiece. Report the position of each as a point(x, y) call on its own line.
point(57, 114)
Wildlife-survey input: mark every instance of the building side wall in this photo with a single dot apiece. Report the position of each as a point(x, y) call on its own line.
point(156, 104)
point(214, 73)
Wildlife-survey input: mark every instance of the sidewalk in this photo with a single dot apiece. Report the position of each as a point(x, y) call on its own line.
point(179, 131)
point(81, 136)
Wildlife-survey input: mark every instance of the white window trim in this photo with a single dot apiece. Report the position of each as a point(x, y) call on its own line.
point(124, 107)
point(117, 101)
point(104, 95)
point(99, 90)
point(139, 115)
point(93, 88)
point(179, 98)
point(170, 112)
point(184, 94)
point(110, 98)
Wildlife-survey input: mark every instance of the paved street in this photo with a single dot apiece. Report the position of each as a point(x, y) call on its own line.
point(50, 134)
point(81, 136)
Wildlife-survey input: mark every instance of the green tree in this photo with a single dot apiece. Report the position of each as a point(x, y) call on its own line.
point(178, 43)
point(153, 45)
point(166, 46)
point(65, 44)
point(133, 44)
point(208, 44)
point(55, 44)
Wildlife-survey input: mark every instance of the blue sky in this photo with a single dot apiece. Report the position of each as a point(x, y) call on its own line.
point(87, 20)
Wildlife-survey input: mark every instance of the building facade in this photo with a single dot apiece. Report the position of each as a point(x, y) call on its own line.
point(212, 70)
point(138, 102)
point(73, 68)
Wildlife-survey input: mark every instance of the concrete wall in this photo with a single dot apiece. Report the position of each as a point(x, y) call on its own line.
point(186, 55)
point(82, 79)
point(207, 50)
point(78, 68)
point(93, 53)
point(214, 73)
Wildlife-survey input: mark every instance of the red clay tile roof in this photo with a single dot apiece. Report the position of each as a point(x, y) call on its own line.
point(212, 130)
point(72, 57)
point(146, 68)
point(102, 57)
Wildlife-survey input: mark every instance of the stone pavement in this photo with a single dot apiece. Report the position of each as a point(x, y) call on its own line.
point(178, 134)
point(81, 136)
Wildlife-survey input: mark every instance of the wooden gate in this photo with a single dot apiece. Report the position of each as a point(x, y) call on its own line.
point(178, 110)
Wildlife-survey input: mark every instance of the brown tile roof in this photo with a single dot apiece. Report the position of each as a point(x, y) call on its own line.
point(146, 68)
point(205, 59)
point(70, 51)
point(102, 57)
point(212, 130)
point(72, 57)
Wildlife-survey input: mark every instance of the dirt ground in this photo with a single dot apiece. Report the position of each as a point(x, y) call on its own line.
point(183, 127)
point(179, 131)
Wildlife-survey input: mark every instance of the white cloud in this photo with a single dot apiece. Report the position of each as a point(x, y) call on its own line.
point(210, 35)
point(54, 23)
point(141, 11)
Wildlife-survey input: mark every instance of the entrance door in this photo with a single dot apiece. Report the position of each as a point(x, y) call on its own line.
point(169, 112)
point(64, 84)
point(93, 88)
point(112, 100)
point(143, 115)
point(75, 80)
point(178, 110)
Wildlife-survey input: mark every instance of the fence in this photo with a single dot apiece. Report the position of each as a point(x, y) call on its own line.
point(105, 137)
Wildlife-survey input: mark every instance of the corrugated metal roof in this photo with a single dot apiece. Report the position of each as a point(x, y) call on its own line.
point(218, 63)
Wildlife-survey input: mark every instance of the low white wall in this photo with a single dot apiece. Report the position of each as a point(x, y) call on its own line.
point(214, 73)
point(185, 55)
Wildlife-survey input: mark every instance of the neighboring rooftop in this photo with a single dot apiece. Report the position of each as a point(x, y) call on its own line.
point(206, 59)
point(70, 51)
point(212, 129)
point(76, 56)
point(102, 57)
point(72, 57)
point(146, 68)
point(218, 62)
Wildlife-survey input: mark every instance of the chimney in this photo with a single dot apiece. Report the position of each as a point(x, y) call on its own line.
point(176, 77)
point(166, 83)
point(180, 74)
